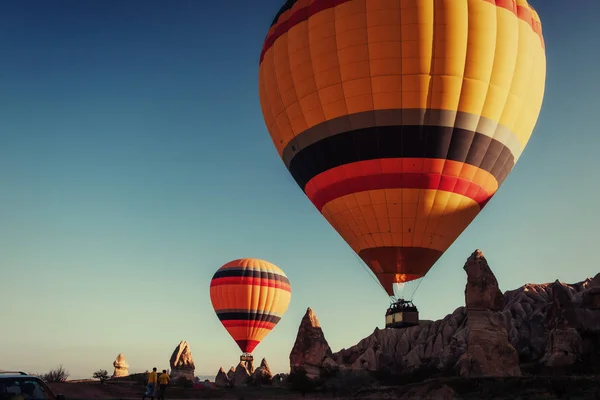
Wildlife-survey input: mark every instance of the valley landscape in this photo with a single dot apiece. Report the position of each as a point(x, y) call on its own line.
point(152, 151)
point(536, 341)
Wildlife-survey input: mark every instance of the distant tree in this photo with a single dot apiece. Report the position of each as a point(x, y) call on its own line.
point(101, 374)
point(300, 382)
point(56, 375)
point(348, 382)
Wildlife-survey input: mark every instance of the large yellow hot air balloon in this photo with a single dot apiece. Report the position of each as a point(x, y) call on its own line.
point(400, 119)
point(249, 296)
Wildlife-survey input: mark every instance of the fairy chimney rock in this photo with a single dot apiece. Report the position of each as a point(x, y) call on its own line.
point(489, 352)
point(241, 375)
point(311, 347)
point(482, 291)
point(221, 379)
point(262, 375)
point(121, 367)
point(231, 373)
point(181, 362)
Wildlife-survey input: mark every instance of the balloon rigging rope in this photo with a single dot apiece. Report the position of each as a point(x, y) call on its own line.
point(371, 274)
point(412, 295)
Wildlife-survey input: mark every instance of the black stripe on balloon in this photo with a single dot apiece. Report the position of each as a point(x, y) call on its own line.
point(248, 316)
point(250, 273)
point(402, 141)
point(286, 6)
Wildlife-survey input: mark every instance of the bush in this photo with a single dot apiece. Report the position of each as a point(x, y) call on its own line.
point(101, 374)
point(56, 375)
point(300, 382)
point(349, 382)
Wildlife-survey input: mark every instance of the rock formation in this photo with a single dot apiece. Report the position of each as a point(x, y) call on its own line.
point(221, 379)
point(121, 367)
point(536, 326)
point(181, 362)
point(489, 353)
point(482, 291)
point(241, 375)
point(262, 375)
point(249, 364)
point(555, 324)
point(231, 373)
point(437, 345)
point(564, 345)
point(591, 297)
point(310, 349)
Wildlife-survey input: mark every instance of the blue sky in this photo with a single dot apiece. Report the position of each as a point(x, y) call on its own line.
point(134, 162)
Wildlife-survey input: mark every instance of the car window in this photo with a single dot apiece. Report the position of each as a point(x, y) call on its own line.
point(9, 388)
point(34, 390)
point(23, 389)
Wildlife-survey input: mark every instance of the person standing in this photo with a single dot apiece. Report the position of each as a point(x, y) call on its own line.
point(163, 381)
point(151, 386)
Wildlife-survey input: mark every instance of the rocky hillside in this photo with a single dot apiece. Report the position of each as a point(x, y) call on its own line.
point(535, 329)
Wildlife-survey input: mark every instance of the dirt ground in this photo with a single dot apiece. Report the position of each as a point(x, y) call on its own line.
point(522, 388)
point(514, 388)
point(95, 390)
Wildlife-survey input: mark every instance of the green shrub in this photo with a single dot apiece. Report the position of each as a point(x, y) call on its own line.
point(56, 375)
point(349, 382)
point(101, 374)
point(298, 381)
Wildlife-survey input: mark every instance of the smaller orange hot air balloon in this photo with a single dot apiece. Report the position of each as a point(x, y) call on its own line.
point(249, 296)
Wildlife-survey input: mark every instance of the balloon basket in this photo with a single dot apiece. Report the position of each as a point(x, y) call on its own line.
point(248, 361)
point(401, 314)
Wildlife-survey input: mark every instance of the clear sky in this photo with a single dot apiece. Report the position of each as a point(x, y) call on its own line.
point(134, 162)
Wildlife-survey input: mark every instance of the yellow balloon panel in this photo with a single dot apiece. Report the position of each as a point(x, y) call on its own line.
point(400, 119)
point(467, 55)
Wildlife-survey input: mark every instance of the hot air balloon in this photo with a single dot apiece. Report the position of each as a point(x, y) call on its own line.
point(249, 296)
point(400, 119)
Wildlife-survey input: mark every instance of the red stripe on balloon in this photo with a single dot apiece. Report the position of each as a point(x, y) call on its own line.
point(247, 323)
point(247, 346)
point(368, 175)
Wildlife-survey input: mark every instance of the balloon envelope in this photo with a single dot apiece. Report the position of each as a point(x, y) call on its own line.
point(249, 296)
point(400, 119)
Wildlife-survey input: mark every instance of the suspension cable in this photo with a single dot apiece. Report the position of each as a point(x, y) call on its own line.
point(368, 270)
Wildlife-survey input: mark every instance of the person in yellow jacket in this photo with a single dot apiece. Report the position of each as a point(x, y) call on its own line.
point(151, 386)
point(163, 381)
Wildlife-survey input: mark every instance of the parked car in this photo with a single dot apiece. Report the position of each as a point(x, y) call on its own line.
point(17, 385)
